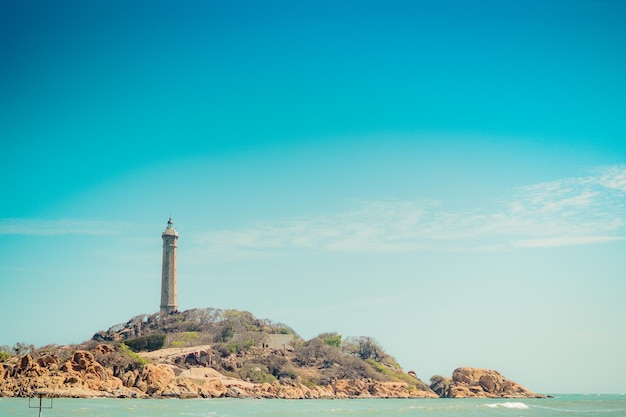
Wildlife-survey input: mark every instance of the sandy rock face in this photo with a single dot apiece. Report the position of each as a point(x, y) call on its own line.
point(485, 383)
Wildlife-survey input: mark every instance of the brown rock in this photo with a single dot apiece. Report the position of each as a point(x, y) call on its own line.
point(157, 374)
point(214, 388)
point(491, 382)
point(460, 391)
point(72, 379)
point(104, 349)
point(25, 363)
point(187, 388)
point(66, 366)
point(130, 378)
point(47, 360)
point(141, 386)
point(235, 392)
point(82, 359)
point(157, 379)
point(475, 382)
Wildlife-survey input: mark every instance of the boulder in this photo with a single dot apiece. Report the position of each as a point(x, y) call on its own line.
point(72, 379)
point(48, 360)
point(485, 383)
point(130, 378)
point(213, 388)
point(460, 391)
point(161, 375)
point(157, 380)
point(81, 360)
point(235, 392)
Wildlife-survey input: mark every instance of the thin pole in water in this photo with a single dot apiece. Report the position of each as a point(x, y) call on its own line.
point(40, 406)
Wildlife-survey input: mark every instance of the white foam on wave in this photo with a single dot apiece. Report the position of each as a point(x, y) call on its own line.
point(519, 406)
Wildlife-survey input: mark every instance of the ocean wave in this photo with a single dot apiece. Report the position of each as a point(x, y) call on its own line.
point(519, 406)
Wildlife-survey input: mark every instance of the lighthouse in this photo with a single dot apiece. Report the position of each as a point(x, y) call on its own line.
point(169, 297)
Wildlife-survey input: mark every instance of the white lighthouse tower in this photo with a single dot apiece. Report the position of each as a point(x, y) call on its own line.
point(169, 296)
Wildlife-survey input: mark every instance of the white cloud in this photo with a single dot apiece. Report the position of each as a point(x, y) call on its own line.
point(566, 241)
point(572, 211)
point(39, 227)
point(612, 177)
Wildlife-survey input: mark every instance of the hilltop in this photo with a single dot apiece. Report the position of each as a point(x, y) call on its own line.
point(229, 353)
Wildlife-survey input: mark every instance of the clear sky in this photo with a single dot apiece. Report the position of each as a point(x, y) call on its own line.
point(446, 177)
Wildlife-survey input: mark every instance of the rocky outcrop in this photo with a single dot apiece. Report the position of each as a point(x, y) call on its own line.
point(83, 376)
point(108, 370)
point(159, 381)
point(187, 374)
point(80, 376)
point(484, 383)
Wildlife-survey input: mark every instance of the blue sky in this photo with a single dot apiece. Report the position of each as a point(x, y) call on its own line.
point(447, 178)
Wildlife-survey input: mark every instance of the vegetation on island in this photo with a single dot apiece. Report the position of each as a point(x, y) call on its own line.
point(238, 345)
point(240, 348)
point(213, 353)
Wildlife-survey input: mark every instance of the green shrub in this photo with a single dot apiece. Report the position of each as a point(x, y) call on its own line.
point(185, 339)
point(132, 355)
point(4, 356)
point(378, 366)
point(316, 353)
point(331, 339)
point(287, 372)
point(121, 360)
point(149, 343)
point(226, 333)
point(221, 350)
point(397, 374)
point(240, 346)
point(257, 373)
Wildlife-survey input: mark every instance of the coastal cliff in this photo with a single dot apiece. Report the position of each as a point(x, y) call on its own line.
point(212, 354)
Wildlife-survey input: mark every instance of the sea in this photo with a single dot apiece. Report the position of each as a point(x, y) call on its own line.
point(558, 406)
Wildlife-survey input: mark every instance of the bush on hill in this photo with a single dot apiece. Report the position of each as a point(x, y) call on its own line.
point(149, 343)
point(212, 326)
point(121, 360)
point(332, 339)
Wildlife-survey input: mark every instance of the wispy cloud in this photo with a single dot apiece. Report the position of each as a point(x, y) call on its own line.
point(40, 227)
point(572, 211)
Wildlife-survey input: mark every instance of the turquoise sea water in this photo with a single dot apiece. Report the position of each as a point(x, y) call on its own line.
point(561, 405)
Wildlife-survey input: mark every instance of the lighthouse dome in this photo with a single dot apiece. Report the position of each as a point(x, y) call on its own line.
point(169, 230)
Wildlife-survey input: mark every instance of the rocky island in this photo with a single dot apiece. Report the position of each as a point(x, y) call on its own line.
point(211, 353)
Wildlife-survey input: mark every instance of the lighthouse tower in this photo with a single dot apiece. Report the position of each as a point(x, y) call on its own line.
point(169, 298)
